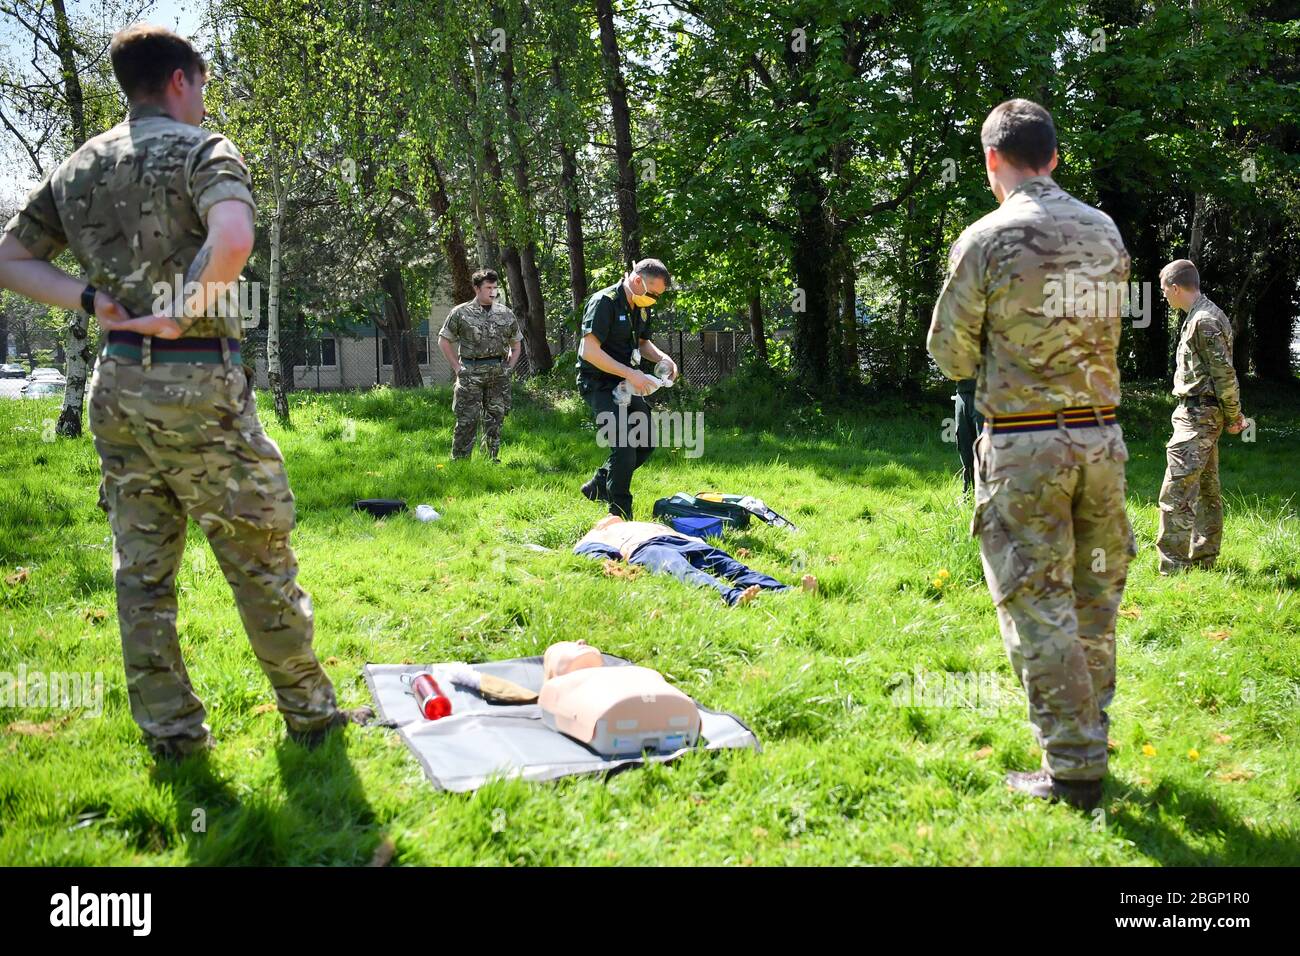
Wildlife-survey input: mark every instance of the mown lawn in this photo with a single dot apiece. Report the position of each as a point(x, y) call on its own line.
point(1204, 768)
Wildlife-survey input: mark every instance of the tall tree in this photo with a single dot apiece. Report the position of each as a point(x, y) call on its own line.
point(621, 115)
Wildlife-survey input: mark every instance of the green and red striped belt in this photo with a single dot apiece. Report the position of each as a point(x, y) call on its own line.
point(130, 346)
point(1082, 416)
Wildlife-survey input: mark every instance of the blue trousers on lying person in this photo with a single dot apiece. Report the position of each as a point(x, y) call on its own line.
point(695, 563)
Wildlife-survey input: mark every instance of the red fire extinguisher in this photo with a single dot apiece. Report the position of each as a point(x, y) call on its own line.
point(433, 703)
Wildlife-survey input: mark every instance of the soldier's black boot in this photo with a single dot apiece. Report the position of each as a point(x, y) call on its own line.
point(1082, 794)
point(311, 739)
point(596, 489)
point(175, 749)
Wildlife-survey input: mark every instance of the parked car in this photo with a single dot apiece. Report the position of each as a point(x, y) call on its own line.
point(43, 388)
point(46, 374)
point(12, 371)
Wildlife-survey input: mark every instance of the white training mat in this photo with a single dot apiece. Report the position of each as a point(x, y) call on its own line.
point(480, 740)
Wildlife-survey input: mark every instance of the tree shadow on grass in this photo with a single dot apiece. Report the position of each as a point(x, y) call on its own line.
point(1133, 813)
point(324, 817)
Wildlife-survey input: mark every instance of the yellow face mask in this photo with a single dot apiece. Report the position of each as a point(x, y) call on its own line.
point(643, 301)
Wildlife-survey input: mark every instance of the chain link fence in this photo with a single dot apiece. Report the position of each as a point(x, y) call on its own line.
point(324, 360)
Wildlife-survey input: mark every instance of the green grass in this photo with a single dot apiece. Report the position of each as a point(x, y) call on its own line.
point(846, 774)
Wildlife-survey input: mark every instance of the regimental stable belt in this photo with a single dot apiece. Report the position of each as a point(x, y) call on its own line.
point(1082, 416)
point(486, 358)
point(131, 347)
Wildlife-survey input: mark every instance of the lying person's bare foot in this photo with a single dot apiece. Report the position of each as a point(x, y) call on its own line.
point(747, 595)
point(809, 584)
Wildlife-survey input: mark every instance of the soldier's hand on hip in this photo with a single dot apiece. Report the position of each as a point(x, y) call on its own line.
point(159, 326)
point(109, 313)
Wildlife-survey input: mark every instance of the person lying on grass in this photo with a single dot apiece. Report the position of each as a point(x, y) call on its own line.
point(660, 548)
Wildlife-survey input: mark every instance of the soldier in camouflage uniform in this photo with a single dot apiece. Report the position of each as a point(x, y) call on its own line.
point(475, 339)
point(1205, 383)
point(1030, 308)
point(175, 425)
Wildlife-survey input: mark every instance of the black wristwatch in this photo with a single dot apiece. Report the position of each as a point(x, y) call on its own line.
point(88, 300)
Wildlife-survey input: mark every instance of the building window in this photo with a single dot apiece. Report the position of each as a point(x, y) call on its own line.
point(329, 357)
point(421, 350)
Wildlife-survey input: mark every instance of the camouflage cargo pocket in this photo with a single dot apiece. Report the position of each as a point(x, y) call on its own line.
point(258, 487)
point(1005, 568)
point(1195, 434)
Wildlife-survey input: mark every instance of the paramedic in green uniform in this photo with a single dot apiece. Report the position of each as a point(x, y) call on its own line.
point(615, 338)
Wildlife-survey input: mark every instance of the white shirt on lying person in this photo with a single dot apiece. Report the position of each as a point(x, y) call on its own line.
point(626, 536)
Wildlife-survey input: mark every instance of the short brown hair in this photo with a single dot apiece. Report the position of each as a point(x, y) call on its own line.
point(653, 269)
point(145, 57)
point(484, 275)
point(1183, 273)
point(1022, 131)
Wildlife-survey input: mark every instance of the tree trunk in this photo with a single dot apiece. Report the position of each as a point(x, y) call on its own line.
point(572, 204)
point(515, 280)
point(396, 326)
point(453, 241)
point(4, 338)
point(79, 341)
point(274, 370)
point(756, 331)
point(927, 269)
point(485, 237)
point(573, 227)
point(849, 320)
point(811, 257)
point(1198, 230)
point(534, 318)
point(1242, 345)
point(24, 343)
point(538, 349)
point(616, 89)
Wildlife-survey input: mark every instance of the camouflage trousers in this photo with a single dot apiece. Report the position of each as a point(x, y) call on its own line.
point(178, 440)
point(1056, 543)
point(481, 390)
point(1191, 506)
